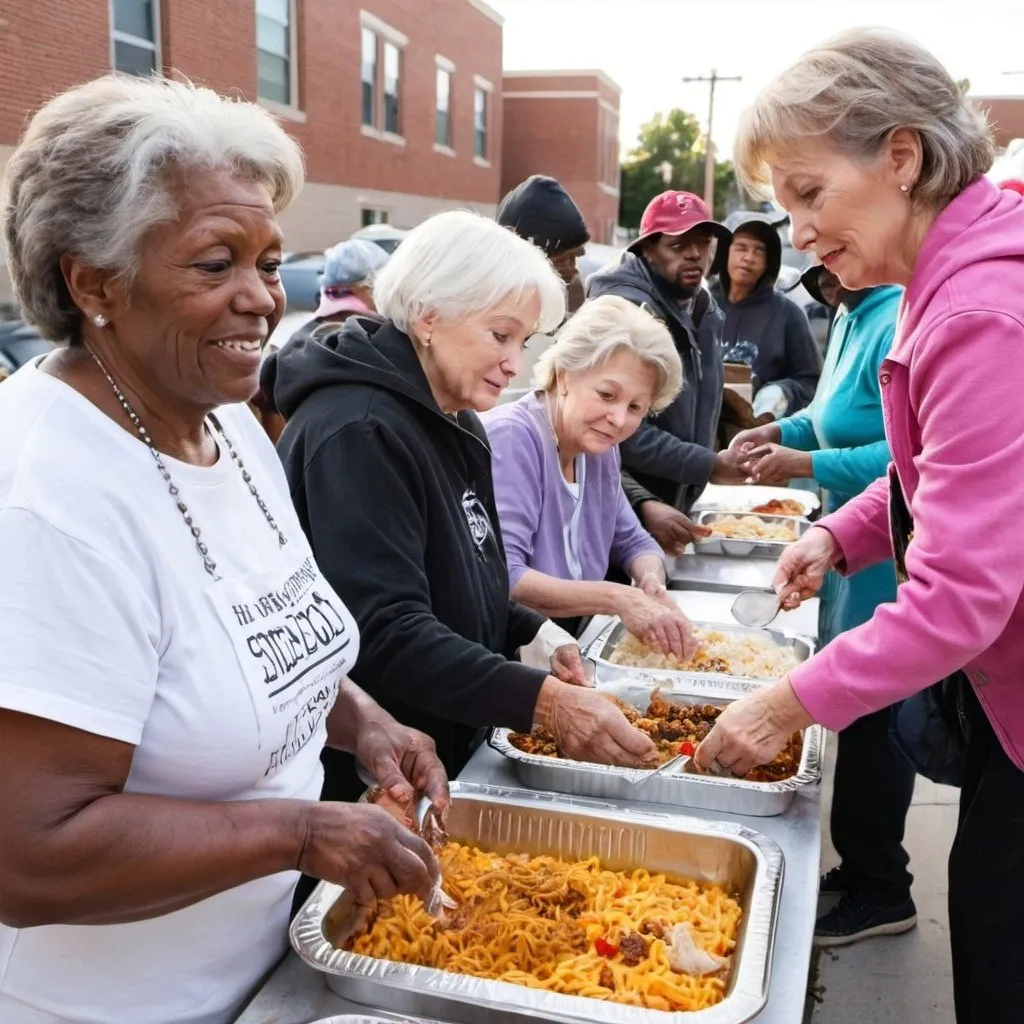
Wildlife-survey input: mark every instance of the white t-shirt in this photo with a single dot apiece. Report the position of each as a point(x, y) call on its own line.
point(110, 623)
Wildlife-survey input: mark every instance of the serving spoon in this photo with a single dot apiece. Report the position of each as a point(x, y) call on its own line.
point(756, 608)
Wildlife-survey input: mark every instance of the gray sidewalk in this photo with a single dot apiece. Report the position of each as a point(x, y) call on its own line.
point(902, 979)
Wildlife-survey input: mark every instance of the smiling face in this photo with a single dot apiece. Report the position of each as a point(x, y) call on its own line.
point(470, 361)
point(852, 214)
point(601, 407)
point(682, 260)
point(205, 297)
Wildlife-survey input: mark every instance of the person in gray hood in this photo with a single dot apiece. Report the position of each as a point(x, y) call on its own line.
point(764, 328)
point(671, 458)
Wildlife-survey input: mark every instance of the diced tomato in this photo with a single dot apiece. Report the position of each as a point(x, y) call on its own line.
point(686, 747)
point(605, 948)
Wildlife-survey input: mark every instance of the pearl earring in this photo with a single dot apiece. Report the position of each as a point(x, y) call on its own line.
point(904, 189)
point(99, 320)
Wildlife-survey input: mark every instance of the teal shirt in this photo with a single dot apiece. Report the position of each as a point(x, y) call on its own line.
point(843, 428)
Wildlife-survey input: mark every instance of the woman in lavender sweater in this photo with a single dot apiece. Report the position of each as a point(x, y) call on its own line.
point(564, 517)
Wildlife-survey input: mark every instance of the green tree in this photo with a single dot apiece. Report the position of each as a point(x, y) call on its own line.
point(669, 154)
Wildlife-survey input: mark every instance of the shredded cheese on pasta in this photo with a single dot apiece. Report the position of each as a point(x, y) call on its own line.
point(565, 926)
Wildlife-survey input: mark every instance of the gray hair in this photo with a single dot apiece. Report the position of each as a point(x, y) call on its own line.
point(599, 329)
point(458, 264)
point(93, 174)
point(856, 90)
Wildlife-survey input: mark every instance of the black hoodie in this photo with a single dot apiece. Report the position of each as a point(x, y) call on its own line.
point(542, 212)
point(767, 330)
point(397, 501)
point(671, 456)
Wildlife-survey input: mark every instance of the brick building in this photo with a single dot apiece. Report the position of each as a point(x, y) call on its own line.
point(399, 114)
point(565, 124)
point(1006, 113)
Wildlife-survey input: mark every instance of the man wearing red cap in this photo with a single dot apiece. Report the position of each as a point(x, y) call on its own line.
point(669, 461)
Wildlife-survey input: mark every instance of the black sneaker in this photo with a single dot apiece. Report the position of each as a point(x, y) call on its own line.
point(834, 882)
point(852, 919)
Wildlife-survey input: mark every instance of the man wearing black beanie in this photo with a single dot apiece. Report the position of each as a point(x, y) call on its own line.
point(542, 212)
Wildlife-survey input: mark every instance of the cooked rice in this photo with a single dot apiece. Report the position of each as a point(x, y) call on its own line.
point(736, 654)
point(754, 528)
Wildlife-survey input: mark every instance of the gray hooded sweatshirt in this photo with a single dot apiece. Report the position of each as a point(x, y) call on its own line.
point(767, 330)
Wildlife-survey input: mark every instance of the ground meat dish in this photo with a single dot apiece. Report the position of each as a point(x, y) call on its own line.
point(634, 948)
point(671, 725)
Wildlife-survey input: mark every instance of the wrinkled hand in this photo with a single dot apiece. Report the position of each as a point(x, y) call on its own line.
point(404, 762)
point(669, 527)
point(567, 665)
point(802, 569)
point(772, 464)
point(756, 436)
point(365, 849)
point(589, 727)
point(729, 467)
point(658, 621)
point(752, 730)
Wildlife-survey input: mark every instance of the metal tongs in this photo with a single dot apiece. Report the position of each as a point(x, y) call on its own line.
point(434, 834)
point(649, 774)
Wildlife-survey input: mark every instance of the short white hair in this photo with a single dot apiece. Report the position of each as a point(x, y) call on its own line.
point(94, 172)
point(600, 328)
point(458, 264)
point(855, 91)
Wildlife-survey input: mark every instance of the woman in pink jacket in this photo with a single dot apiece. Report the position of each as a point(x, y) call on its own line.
point(879, 159)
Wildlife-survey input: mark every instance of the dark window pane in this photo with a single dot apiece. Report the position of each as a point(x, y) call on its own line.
point(371, 216)
point(443, 131)
point(136, 60)
point(442, 121)
point(369, 77)
point(134, 17)
point(392, 73)
point(274, 78)
point(480, 123)
point(272, 36)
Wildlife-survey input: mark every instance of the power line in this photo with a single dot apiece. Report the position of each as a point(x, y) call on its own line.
point(709, 160)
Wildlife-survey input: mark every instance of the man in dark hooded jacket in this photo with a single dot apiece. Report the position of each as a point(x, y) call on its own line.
point(671, 458)
point(541, 211)
point(764, 329)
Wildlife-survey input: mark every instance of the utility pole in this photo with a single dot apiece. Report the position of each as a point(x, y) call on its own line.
point(709, 160)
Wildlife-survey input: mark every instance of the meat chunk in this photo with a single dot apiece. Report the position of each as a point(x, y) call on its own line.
point(655, 928)
point(607, 978)
point(634, 948)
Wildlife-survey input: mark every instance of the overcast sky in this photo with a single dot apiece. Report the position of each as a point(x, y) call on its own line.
point(648, 46)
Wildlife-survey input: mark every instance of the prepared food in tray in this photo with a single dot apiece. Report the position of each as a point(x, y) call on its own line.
point(573, 927)
point(746, 655)
point(780, 507)
point(675, 729)
point(752, 527)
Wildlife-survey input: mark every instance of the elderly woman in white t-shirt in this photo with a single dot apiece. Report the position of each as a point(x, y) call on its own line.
point(173, 660)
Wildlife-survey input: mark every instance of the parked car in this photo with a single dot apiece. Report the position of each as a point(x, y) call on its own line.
point(18, 344)
point(387, 236)
point(300, 275)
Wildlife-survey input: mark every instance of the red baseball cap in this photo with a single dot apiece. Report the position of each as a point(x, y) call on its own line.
point(675, 213)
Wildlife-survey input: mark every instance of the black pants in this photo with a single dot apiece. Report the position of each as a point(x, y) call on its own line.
point(874, 784)
point(986, 881)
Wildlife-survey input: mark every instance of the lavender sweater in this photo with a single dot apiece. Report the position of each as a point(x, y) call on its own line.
point(543, 525)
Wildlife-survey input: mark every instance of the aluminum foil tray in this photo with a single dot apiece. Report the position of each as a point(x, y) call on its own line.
point(742, 498)
point(673, 787)
point(358, 1018)
point(508, 821)
point(603, 647)
point(735, 548)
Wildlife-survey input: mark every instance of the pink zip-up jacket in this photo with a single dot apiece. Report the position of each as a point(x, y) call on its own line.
point(953, 400)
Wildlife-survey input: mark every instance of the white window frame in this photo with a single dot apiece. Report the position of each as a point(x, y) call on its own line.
point(385, 33)
point(292, 109)
point(444, 64)
point(487, 87)
point(155, 44)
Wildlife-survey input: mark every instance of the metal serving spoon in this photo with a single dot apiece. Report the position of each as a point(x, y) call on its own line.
point(756, 608)
point(434, 834)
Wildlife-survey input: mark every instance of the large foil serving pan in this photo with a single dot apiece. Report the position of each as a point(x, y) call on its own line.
point(742, 498)
point(673, 787)
point(602, 648)
point(362, 1018)
point(513, 821)
point(737, 548)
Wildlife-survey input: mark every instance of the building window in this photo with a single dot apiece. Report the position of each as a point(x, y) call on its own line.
point(392, 84)
point(134, 36)
point(369, 76)
point(443, 111)
point(481, 97)
point(274, 51)
point(372, 216)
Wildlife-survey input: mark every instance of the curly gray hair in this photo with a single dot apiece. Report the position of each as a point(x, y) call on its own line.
point(93, 173)
point(856, 90)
